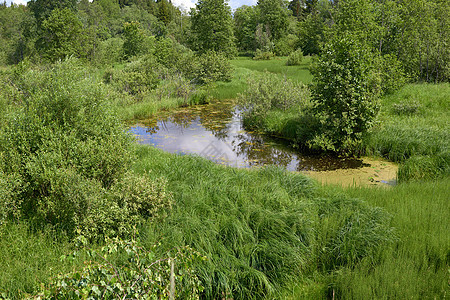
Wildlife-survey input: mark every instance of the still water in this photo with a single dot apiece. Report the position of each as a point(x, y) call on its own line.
point(215, 132)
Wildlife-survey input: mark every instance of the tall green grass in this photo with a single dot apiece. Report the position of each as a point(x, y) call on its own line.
point(260, 229)
point(416, 265)
point(29, 258)
point(414, 129)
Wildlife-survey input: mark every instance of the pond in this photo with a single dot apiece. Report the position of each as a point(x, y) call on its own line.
point(215, 131)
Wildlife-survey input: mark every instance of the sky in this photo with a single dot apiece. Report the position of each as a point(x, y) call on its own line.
point(185, 4)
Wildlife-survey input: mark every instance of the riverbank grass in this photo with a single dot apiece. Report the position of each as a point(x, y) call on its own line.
point(416, 265)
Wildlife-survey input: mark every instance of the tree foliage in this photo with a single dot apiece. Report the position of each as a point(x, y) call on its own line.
point(42, 9)
point(212, 27)
point(345, 90)
point(65, 158)
point(274, 14)
point(246, 19)
point(133, 39)
point(61, 34)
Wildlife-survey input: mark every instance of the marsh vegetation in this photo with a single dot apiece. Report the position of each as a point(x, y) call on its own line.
point(86, 211)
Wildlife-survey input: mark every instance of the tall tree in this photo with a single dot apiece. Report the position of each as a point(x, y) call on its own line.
point(298, 8)
point(245, 23)
point(212, 27)
point(164, 12)
point(43, 8)
point(60, 34)
point(274, 14)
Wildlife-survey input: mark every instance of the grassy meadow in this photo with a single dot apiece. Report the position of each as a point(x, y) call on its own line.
point(266, 233)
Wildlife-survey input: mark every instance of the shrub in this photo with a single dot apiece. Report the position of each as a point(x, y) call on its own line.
point(392, 75)
point(269, 91)
point(137, 78)
point(263, 55)
point(212, 66)
point(10, 205)
point(133, 39)
point(286, 45)
point(64, 156)
point(295, 58)
point(168, 52)
point(175, 86)
point(345, 90)
point(109, 52)
point(124, 269)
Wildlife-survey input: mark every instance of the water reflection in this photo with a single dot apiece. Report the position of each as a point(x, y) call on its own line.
point(215, 131)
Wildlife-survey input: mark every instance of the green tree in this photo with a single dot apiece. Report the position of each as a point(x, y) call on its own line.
point(212, 27)
point(246, 19)
point(164, 13)
point(313, 27)
point(274, 14)
point(60, 34)
point(345, 91)
point(42, 9)
point(11, 29)
point(423, 42)
point(298, 8)
point(133, 38)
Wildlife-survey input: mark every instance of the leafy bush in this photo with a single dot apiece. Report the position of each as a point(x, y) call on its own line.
point(263, 55)
point(169, 53)
point(212, 66)
point(269, 91)
point(175, 86)
point(345, 90)
point(10, 186)
point(133, 39)
point(109, 52)
point(137, 78)
point(64, 155)
point(295, 58)
point(124, 269)
point(124, 205)
point(286, 45)
point(392, 75)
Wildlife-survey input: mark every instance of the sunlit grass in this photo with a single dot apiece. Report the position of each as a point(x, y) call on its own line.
point(416, 266)
point(29, 258)
point(277, 65)
point(418, 139)
point(245, 67)
point(261, 229)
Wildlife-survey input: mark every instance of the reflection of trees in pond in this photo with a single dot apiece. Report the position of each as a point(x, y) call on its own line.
point(257, 152)
point(217, 118)
point(182, 118)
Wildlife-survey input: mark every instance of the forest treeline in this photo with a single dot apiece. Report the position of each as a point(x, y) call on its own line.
point(413, 35)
